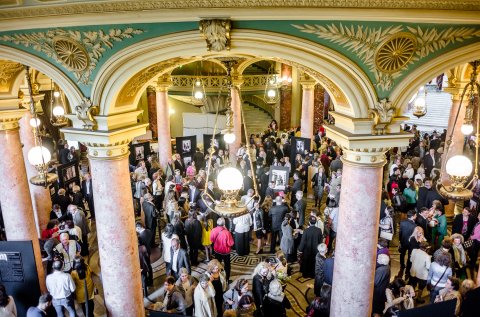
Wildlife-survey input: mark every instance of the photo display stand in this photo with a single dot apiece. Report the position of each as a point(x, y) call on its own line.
point(138, 152)
point(298, 146)
point(186, 147)
point(219, 142)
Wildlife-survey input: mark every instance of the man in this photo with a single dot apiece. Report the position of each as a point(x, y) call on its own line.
point(178, 259)
point(333, 214)
point(151, 214)
point(62, 200)
point(277, 214)
point(61, 287)
point(422, 194)
point(319, 263)
point(63, 154)
point(144, 236)
point(178, 164)
point(297, 186)
point(334, 185)
point(199, 159)
point(406, 229)
point(169, 169)
point(79, 220)
point(300, 206)
point(419, 150)
point(44, 302)
point(193, 193)
point(222, 244)
point(247, 199)
point(431, 161)
point(247, 181)
point(395, 164)
point(193, 231)
point(433, 195)
point(328, 267)
point(87, 191)
point(311, 238)
point(69, 250)
point(173, 300)
point(270, 191)
point(56, 213)
point(422, 221)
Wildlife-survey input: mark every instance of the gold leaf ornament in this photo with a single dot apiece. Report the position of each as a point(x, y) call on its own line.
point(72, 54)
point(395, 52)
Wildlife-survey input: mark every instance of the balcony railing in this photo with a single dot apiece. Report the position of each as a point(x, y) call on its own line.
point(214, 83)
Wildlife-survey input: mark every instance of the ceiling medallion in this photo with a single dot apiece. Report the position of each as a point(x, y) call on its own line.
point(395, 52)
point(71, 53)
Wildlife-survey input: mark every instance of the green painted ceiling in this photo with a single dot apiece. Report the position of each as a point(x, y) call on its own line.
point(356, 40)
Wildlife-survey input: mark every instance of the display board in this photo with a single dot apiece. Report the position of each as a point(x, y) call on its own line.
point(18, 273)
point(139, 152)
point(219, 142)
point(68, 175)
point(186, 147)
point(298, 146)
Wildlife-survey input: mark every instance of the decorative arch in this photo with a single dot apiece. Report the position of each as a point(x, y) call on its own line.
point(73, 94)
point(139, 65)
point(405, 89)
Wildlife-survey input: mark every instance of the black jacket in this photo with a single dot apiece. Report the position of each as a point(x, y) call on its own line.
point(406, 229)
point(458, 224)
point(150, 212)
point(300, 206)
point(193, 230)
point(434, 195)
point(277, 213)
point(182, 261)
point(422, 198)
point(260, 287)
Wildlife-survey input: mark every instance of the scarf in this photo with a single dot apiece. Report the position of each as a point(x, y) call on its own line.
point(459, 253)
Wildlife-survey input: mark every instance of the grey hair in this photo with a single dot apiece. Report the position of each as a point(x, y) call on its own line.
point(275, 288)
point(221, 221)
point(322, 248)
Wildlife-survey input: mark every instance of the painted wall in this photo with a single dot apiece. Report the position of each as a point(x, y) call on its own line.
point(176, 118)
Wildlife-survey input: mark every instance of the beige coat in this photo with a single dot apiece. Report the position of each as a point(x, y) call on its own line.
point(204, 300)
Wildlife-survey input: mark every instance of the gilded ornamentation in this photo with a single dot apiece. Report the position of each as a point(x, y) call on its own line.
point(216, 33)
point(75, 50)
point(86, 112)
point(395, 52)
point(8, 71)
point(371, 45)
point(382, 116)
point(103, 151)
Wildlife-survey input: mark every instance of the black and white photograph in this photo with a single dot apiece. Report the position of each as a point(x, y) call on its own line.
point(69, 173)
point(139, 153)
point(279, 175)
point(187, 160)
point(218, 142)
point(300, 146)
point(186, 146)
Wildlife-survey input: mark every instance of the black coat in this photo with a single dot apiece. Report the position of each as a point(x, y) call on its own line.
point(78, 200)
point(300, 206)
point(260, 287)
point(458, 224)
point(145, 237)
point(422, 222)
point(434, 195)
point(179, 166)
point(63, 201)
point(277, 213)
point(149, 211)
point(311, 238)
point(406, 229)
point(276, 308)
point(422, 198)
point(193, 231)
point(381, 281)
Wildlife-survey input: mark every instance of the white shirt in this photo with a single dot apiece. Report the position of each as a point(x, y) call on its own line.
point(60, 285)
point(242, 223)
point(87, 183)
point(174, 260)
point(333, 215)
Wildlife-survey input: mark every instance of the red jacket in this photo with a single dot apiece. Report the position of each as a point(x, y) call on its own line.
point(222, 240)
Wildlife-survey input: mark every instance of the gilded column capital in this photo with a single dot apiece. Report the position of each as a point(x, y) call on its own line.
point(307, 83)
point(164, 83)
point(10, 114)
point(367, 157)
point(106, 145)
point(238, 81)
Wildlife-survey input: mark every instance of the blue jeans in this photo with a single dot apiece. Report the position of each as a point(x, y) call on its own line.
point(66, 303)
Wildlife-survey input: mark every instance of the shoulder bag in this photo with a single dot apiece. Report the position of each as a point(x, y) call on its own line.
point(430, 287)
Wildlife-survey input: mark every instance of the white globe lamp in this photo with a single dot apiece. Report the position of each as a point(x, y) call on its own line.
point(229, 137)
point(39, 155)
point(230, 179)
point(58, 111)
point(34, 122)
point(271, 93)
point(467, 128)
point(198, 95)
point(459, 166)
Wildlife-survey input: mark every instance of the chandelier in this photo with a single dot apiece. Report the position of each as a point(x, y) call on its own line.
point(198, 93)
point(57, 114)
point(459, 168)
point(271, 96)
point(420, 103)
point(39, 156)
point(229, 179)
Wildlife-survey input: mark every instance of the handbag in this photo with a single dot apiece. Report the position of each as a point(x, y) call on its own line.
point(226, 305)
point(430, 287)
point(468, 244)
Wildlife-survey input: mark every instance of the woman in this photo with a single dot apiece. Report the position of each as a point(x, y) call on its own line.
point(275, 303)
point(246, 306)
point(287, 241)
point(186, 284)
point(440, 229)
point(233, 295)
point(217, 278)
point(386, 224)
point(258, 224)
point(318, 183)
point(179, 230)
point(158, 191)
point(410, 194)
point(7, 304)
point(320, 306)
point(438, 274)
point(171, 205)
point(77, 196)
point(266, 205)
point(421, 262)
point(463, 223)
point(242, 234)
point(459, 256)
point(84, 287)
point(261, 282)
point(470, 295)
point(399, 297)
point(191, 171)
point(204, 298)
point(415, 239)
point(451, 291)
point(475, 246)
point(167, 236)
point(409, 172)
point(207, 226)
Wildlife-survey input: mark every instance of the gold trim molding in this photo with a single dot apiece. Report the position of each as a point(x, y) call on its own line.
point(10, 119)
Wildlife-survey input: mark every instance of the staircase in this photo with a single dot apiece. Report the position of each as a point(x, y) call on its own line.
point(257, 120)
point(438, 112)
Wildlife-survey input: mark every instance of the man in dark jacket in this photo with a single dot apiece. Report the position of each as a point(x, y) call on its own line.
point(151, 214)
point(431, 161)
point(319, 263)
point(297, 186)
point(178, 259)
point(193, 230)
point(87, 192)
point(381, 281)
point(199, 159)
point(300, 207)
point(422, 194)
point(277, 214)
point(311, 238)
point(406, 229)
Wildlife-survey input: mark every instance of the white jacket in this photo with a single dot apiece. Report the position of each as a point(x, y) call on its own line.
point(420, 264)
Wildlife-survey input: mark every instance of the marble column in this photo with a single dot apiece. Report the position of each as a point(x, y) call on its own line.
point(306, 125)
point(356, 241)
point(163, 122)
point(42, 203)
point(152, 110)
point(236, 106)
point(115, 220)
point(286, 99)
point(14, 192)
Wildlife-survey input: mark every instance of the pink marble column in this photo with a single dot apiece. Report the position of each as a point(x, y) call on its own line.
point(356, 241)
point(237, 123)
point(308, 98)
point(117, 239)
point(15, 195)
point(42, 203)
point(163, 123)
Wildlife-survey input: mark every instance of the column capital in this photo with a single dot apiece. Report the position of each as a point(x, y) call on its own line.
point(164, 83)
point(307, 83)
point(237, 80)
point(106, 145)
point(10, 118)
point(365, 149)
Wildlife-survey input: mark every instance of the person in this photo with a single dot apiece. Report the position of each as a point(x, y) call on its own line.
point(187, 283)
point(451, 291)
point(246, 307)
point(381, 281)
point(167, 236)
point(151, 215)
point(7, 304)
point(300, 206)
point(332, 214)
point(311, 238)
point(459, 256)
point(410, 195)
point(463, 223)
point(260, 283)
point(258, 224)
point(69, 249)
point(275, 302)
point(431, 161)
point(207, 226)
point(204, 298)
point(217, 277)
point(386, 224)
point(84, 287)
point(422, 221)
point(320, 306)
point(421, 261)
point(475, 237)
point(44, 303)
point(61, 286)
point(193, 231)
point(178, 259)
point(319, 273)
point(77, 198)
point(78, 217)
point(318, 184)
point(233, 295)
point(439, 231)
point(297, 186)
point(399, 297)
point(222, 244)
point(286, 242)
point(62, 200)
point(277, 215)
point(172, 300)
point(242, 234)
point(87, 191)
point(144, 236)
point(407, 227)
point(470, 298)
point(438, 274)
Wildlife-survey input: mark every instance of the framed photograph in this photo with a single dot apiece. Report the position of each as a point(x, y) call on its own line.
point(68, 175)
point(298, 146)
point(186, 145)
point(139, 151)
point(187, 160)
point(279, 175)
point(218, 142)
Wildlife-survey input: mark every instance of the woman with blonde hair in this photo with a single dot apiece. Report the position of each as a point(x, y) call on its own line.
point(204, 298)
point(459, 256)
point(207, 226)
point(77, 196)
point(217, 278)
point(187, 283)
point(171, 205)
point(266, 205)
